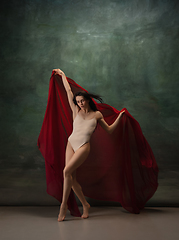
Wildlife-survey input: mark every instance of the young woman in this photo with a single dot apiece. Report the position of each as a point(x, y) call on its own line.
point(85, 118)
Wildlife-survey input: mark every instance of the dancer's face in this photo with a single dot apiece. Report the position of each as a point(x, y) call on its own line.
point(82, 102)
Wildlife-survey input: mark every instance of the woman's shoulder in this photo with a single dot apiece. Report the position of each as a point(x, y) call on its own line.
point(98, 115)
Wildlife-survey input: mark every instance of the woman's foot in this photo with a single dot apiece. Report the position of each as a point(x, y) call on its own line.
point(86, 208)
point(62, 213)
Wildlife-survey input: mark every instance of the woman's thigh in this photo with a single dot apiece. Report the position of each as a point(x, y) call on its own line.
point(69, 153)
point(77, 158)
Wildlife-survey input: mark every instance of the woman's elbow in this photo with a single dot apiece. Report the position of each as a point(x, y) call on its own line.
point(110, 130)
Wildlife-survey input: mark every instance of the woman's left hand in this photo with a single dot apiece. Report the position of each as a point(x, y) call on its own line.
point(121, 113)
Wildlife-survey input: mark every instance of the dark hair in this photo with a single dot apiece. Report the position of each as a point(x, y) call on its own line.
point(89, 97)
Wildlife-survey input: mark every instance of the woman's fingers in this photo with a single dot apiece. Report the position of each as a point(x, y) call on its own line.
point(58, 71)
point(122, 112)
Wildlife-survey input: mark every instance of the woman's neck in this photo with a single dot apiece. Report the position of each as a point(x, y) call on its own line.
point(86, 110)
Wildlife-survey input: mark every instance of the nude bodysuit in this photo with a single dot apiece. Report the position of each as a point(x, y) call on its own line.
point(82, 130)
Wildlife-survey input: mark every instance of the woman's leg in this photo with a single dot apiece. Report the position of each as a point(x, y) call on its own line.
point(68, 155)
point(78, 191)
point(75, 161)
point(76, 186)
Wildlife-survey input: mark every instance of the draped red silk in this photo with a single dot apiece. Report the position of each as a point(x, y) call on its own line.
point(121, 166)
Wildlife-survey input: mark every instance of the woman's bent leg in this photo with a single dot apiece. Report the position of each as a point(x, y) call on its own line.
point(76, 160)
point(79, 193)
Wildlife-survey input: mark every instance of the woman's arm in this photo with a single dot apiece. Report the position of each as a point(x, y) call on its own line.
point(74, 107)
point(105, 126)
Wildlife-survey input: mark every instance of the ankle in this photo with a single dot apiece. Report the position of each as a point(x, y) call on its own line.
point(63, 205)
point(86, 204)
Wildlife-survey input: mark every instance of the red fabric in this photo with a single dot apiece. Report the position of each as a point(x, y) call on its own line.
point(120, 167)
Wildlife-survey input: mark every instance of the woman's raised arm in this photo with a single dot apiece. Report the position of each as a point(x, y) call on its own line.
point(105, 126)
point(74, 107)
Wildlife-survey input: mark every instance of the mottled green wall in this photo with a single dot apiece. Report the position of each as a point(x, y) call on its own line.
point(127, 51)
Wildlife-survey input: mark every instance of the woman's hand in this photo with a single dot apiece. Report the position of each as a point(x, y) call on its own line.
point(59, 72)
point(121, 113)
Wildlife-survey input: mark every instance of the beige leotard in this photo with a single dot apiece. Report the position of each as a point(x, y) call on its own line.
point(82, 130)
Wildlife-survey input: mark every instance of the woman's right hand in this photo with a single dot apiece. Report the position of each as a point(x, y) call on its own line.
point(59, 72)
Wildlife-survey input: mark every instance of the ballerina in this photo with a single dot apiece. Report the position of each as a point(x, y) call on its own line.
point(85, 118)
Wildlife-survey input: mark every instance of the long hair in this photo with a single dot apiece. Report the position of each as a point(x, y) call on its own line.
point(88, 96)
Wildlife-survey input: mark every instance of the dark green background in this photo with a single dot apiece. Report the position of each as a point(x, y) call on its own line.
point(127, 51)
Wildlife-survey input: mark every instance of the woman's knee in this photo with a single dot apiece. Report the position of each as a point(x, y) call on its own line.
point(66, 173)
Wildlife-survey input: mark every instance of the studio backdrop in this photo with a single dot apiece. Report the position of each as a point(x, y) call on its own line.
point(126, 51)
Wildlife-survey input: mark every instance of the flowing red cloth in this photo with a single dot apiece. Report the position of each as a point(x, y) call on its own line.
point(120, 167)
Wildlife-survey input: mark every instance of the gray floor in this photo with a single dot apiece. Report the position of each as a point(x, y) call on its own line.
point(40, 223)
